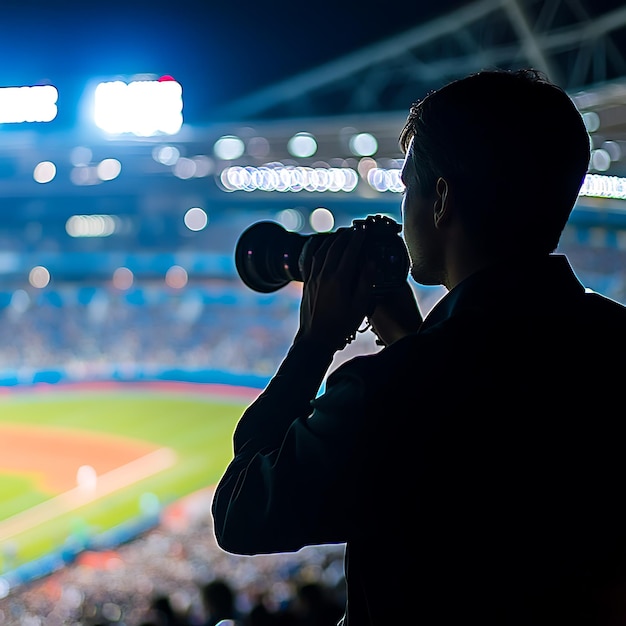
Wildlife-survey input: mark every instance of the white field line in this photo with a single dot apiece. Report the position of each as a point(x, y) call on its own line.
point(107, 483)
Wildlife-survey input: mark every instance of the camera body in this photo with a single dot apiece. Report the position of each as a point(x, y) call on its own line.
point(268, 257)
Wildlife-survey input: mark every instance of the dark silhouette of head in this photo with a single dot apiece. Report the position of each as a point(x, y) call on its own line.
point(514, 148)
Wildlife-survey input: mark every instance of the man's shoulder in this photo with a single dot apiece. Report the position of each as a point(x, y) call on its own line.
point(592, 315)
point(602, 305)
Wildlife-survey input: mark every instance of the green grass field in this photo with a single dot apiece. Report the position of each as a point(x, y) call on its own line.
point(197, 426)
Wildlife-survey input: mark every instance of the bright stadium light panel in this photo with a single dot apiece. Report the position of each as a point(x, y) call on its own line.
point(141, 107)
point(28, 104)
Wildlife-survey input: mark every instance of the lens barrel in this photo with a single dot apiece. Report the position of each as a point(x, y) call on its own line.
point(268, 257)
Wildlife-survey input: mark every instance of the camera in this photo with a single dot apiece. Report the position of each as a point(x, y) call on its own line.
point(268, 256)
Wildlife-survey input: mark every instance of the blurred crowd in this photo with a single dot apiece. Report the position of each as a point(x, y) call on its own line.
point(89, 331)
point(175, 574)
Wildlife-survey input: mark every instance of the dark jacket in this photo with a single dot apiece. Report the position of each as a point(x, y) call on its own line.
point(474, 470)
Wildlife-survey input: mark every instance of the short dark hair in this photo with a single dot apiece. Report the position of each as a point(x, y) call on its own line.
point(484, 133)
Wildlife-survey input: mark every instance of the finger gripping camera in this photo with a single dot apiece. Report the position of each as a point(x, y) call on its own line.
point(268, 257)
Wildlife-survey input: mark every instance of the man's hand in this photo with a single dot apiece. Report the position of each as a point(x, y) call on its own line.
point(395, 315)
point(337, 294)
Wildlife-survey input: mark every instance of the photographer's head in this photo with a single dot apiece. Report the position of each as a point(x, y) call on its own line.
point(494, 165)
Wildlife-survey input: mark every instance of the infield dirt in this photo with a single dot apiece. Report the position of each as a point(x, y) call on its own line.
point(52, 456)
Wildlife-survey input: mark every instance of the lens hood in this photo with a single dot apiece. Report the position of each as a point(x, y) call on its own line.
point(266, 256)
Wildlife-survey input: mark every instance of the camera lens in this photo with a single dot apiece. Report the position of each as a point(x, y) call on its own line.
point(266, 256)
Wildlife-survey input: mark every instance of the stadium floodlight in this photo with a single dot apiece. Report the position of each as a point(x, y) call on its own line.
point(28, 104)
point(141, 107)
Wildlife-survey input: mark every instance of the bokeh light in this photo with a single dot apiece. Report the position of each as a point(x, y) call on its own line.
point(108, 169)
point(228, 147)
point(44, 172)
point(302, 145)
point(184, 168)
point(176, 277)
point(196, 219)
point(322, 220)
point(363, 144)
point(39, 277)
point(291, 219)
point(123, 278)
point(167, 155)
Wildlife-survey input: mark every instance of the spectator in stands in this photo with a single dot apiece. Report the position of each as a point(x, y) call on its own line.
point(218, 598)
point(473, 466)
point(315, 605)
point(164, 614)
point(259, 614)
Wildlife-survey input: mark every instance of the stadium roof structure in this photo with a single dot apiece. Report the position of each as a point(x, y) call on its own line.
point(580, 46)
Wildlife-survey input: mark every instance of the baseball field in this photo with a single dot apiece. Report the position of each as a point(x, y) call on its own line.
point(79, 460)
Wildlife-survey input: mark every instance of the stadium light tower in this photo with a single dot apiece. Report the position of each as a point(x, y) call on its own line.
point(141, 107)
point(28, 104)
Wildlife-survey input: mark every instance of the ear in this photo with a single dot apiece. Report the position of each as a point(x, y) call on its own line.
point(442, 207)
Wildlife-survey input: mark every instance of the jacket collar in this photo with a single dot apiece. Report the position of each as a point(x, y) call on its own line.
point(549, 280)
